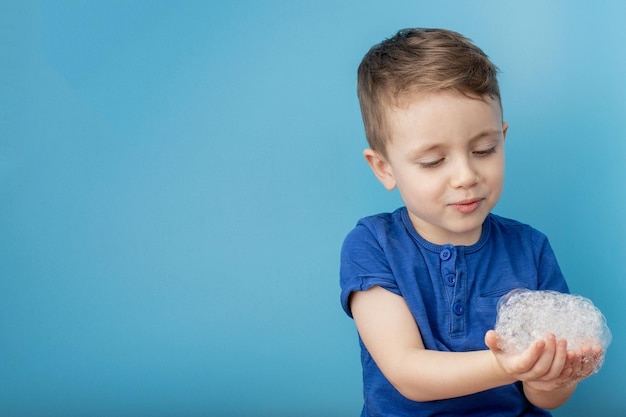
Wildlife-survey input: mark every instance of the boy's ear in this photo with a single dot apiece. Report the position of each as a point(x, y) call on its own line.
point(505, 128)
point(381, 168)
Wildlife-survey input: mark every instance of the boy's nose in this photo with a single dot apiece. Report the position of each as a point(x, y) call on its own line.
point(464, 175)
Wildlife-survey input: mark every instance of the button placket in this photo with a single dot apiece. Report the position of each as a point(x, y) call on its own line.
point(448, 271)
point(455, 291)
point(459, 305)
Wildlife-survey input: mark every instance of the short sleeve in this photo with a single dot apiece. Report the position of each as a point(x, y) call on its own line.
point(363, 265)
point(550, 275)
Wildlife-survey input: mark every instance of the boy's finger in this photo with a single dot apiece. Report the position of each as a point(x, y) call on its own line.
point(559, 361)
point(544, 363)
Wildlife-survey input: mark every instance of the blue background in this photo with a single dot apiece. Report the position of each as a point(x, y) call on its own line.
point(177, 177)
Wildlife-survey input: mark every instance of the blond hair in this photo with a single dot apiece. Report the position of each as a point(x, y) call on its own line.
point(418, 61)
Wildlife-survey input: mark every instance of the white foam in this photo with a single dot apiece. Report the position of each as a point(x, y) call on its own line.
point(525, 316)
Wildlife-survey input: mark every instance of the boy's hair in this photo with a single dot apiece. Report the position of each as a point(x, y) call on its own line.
point(418, 61)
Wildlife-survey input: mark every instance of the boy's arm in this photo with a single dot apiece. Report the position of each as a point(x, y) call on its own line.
point(392, 337)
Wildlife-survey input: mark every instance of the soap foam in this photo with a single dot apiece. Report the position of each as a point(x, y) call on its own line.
point(525, 316)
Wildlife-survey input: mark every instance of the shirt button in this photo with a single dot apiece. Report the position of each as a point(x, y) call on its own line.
point(445, 254)
point(458, 308)
point(450, 280)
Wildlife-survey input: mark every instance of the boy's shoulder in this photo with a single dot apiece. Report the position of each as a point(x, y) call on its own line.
point(380, 227)
point(506, 221)
point(384, 221)
point(505, 225)
point(386, 217)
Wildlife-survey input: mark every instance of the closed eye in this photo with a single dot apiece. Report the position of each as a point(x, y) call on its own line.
point(430, 164)
point(485, 152)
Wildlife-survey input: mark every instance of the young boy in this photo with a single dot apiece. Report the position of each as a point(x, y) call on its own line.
point(422, 283)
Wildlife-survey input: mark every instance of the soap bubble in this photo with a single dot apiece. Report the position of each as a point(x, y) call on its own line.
point(525, 316)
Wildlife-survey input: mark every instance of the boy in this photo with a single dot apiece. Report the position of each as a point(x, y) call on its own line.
point(422, 283)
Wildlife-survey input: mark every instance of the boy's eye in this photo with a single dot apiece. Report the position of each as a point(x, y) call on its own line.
point(431, 164)
point(485, 152)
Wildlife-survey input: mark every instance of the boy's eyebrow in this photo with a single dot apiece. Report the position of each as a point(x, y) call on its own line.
point(414, 153)
point(486, 132)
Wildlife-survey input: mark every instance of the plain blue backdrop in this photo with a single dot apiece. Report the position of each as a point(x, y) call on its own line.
point(177, 177)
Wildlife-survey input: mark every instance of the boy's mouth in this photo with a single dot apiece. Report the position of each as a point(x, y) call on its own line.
point(467, 206)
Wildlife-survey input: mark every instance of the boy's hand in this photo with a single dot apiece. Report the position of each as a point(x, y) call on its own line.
point(585, 361)
point(547, 364)
point(544, 362)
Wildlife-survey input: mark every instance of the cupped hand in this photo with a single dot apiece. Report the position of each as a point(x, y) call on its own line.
point(545, 365)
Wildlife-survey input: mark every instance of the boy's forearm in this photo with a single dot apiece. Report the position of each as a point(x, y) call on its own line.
point(427, 375)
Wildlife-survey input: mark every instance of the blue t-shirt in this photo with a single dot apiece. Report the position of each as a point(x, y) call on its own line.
point(452, 292)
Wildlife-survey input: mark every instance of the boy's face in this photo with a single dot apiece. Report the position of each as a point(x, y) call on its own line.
point(446, 157)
